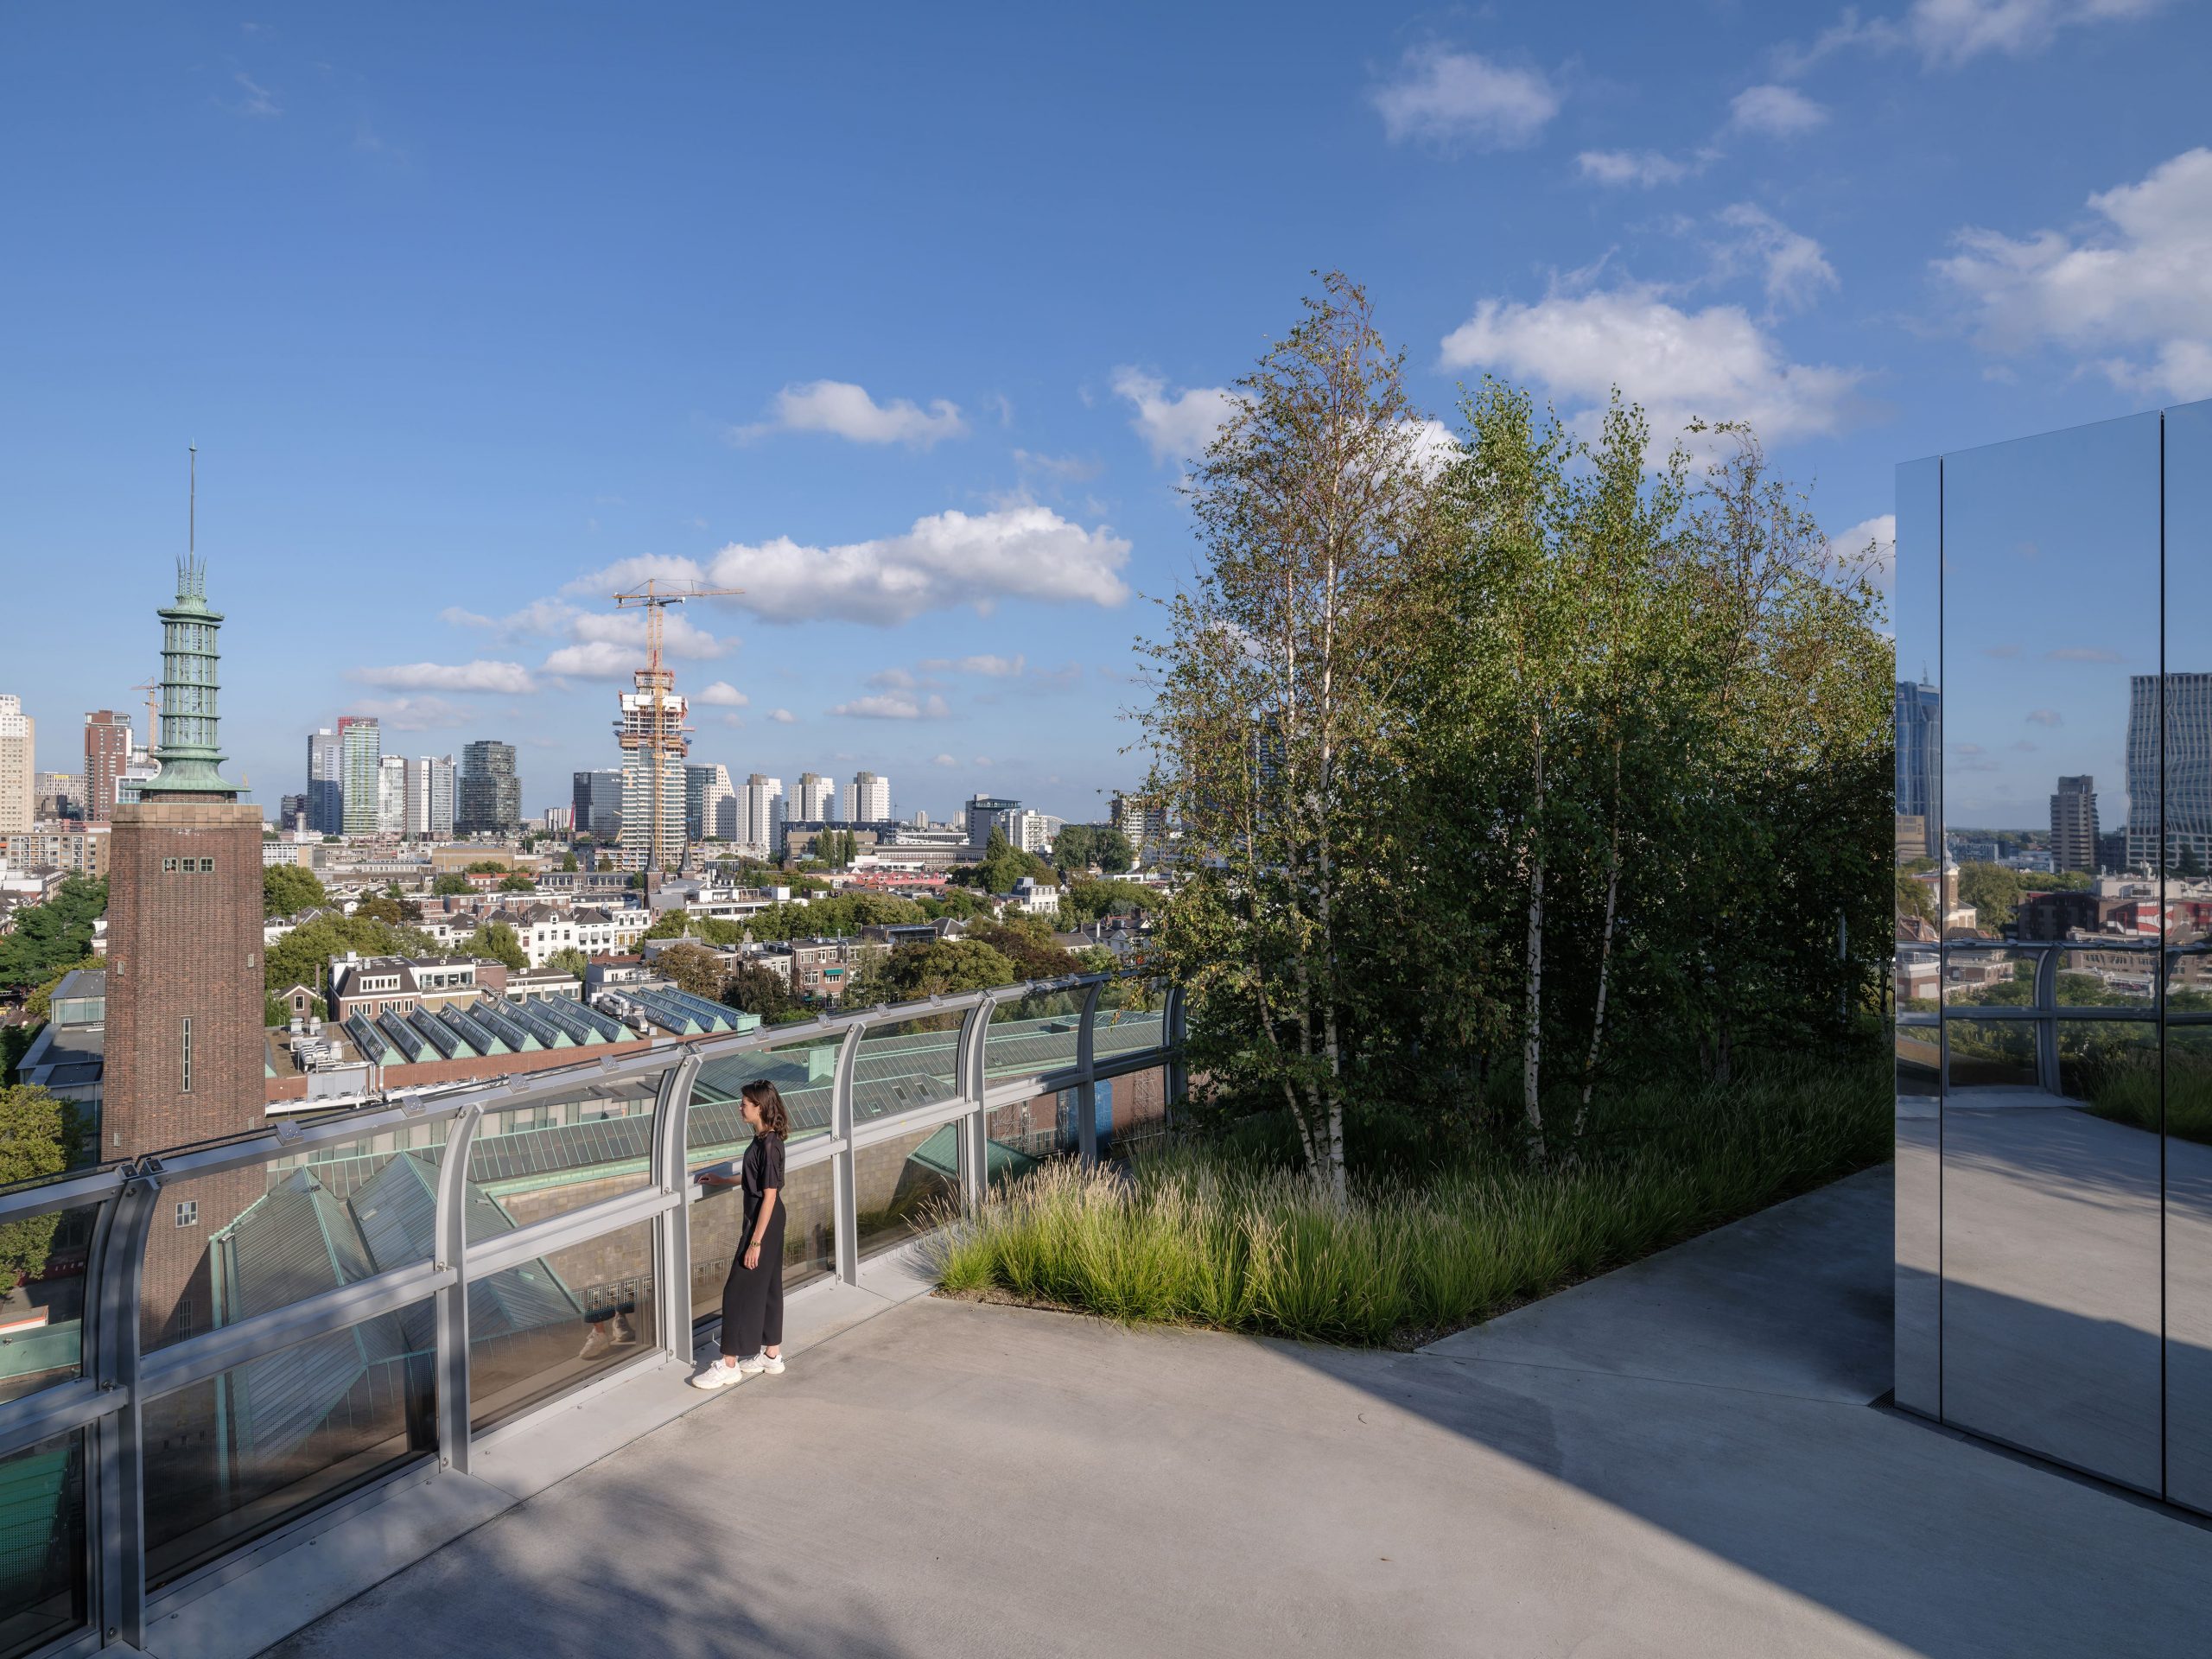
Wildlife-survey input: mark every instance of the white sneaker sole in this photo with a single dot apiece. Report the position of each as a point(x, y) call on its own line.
point(716, 1376)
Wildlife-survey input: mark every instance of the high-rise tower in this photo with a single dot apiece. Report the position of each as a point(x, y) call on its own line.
point(184, 976)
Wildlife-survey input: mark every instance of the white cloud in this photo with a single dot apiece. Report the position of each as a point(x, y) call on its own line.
point(414, 714)
point(894, 679)
point(1880, 533)
point(1434, 447)
point(1065, 469)
point(722, 695)
point(943, 760)
point(611, 645)
point(1949, 32)
point(2134, 291)
point(1639, 167)
point(995, 668)
point(947, 560)
point(2045, 717)
point(893, 705)
point(1717, 363)
point(1445, 97)
point(981, 760)
point(783, 716)
point(1774, 111)
point(1795, 268)
point(257, 101)
point(846, 411)
point(1177, 428)
point(479, 676)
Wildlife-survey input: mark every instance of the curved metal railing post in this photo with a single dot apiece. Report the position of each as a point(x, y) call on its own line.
point(975, 1033)
point(2046, 992)
point(450, 1307)
point(844, 1196)
point(117, 1440)
point(673, 1228)
point(1086, 1089)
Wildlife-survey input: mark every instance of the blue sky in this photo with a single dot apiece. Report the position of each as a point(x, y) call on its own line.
point(901, 318)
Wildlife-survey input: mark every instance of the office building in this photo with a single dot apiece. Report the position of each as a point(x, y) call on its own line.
point(985, 813)
point(1146, 827)
point(2073, 825)
point(392, 795)
point(292, 812)
point(596, 805)
point(431, 796)
point(58, 795)
point(107, 756)
point(2187, 742)
point(870, 799)
point(817, 797)
point(1919, 754)
point(325, 789)
point(1029, 831)
point(705, 788)
point(489, 800)
point(361, 744)
point(18, 766)
point(765, 813)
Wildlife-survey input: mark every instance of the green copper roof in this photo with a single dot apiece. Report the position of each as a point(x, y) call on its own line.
point(190, 758)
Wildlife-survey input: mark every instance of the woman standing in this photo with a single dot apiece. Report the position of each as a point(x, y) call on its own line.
point(753, 1299)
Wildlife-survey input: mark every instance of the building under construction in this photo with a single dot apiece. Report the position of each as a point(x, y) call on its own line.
point(654, 739)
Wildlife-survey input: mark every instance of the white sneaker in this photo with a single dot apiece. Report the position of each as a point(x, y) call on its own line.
point(719, 1375)
point(761, 1364)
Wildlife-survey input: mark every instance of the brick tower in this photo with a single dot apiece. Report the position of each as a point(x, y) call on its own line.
point(184, 976)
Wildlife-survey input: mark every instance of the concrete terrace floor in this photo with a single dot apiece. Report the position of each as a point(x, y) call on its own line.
point(1680, 1458)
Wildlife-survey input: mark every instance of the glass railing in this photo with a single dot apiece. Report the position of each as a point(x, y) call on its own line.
point(264, 1326)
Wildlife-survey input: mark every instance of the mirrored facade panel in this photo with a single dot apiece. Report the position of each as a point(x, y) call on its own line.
point(2186, 1102)
point(1033, 1034)
point(1130, 1016)
point(1917, 974)
point(2049, 897)
point(41, 1317)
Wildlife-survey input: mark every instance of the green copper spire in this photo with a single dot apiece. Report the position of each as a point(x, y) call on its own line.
point(186, 748)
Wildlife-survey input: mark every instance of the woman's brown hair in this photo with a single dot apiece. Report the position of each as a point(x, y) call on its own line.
point(764, 1095)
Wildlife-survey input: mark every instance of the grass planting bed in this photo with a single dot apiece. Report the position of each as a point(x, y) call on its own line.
point(1198, 1236)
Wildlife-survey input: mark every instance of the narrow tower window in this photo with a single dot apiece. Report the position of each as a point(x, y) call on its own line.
point(185, 1057)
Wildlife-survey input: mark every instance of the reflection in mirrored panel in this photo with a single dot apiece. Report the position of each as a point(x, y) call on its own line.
point(528, 1164)
point(543, 1328)
point(1132, 1114)
point(906, 1065)
point(803, 1071)
point(42, 1298)
point(244, 1452)
point(903, 1186)
point(1131, 1015)
point(716, 1219)
point(1918, 971)
point(1033, 1034)
point(227, 1246)
point(2050, 911)
point(2186, 1102)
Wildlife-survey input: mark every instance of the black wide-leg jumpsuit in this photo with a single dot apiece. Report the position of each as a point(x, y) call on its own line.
point(753, 1299)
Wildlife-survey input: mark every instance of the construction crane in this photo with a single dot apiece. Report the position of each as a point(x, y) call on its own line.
point(660, 731)
point(152, 688)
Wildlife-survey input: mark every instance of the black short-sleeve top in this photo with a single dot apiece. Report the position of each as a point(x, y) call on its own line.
point(763, 1169)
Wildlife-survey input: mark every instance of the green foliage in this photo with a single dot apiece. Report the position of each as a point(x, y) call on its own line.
point(1026, 942)
point(276, 1010)
point(567, 861)
point(39, 1136)
point(936, 969)
point(449, 885)
point(1995, 892)
point(487, 867)
point(1207, 1236)
point(390, 909)
point(48, 938)
point(500, 942)
point(570, 961)
point(518, 883)
point(303, 955)
point(1079, 845)
point(692, 968)
point(752, 989)
point(287, 889)
point(1002, 866)
point(39, 1005)
point(1086, 901)
point(1543, 764)
point(952, 901)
